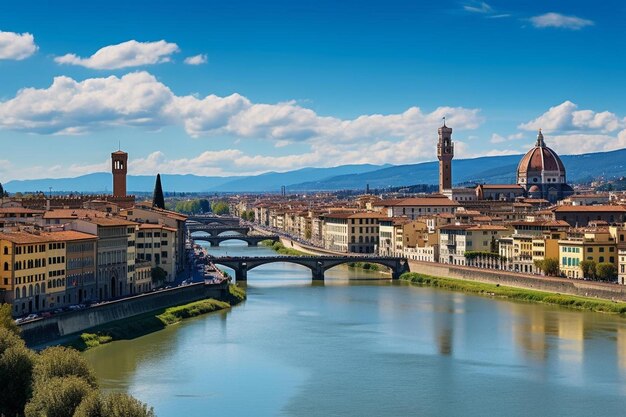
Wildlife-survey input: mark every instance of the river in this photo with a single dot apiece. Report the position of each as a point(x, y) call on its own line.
point(372, 348)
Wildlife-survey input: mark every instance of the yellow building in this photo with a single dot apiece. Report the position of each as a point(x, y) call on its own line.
point(594, 245)
point(24, 262)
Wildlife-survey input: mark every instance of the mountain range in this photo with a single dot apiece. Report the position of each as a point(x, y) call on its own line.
point(492, 169)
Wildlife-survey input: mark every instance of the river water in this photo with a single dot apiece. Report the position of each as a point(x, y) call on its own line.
point(372, 348)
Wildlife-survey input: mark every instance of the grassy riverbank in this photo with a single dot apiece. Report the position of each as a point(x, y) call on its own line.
point(495, 290)
point(151, 322)
point(280, 248)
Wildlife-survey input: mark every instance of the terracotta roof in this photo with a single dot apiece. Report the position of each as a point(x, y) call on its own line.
point(419, 201)
point(586, 209)
point(72, 214)
point(20, 210)
point(23, 237)
point(538, 159)
point(359, 215)
point(155, 226)
point(500, 186)
point(67, 235)
point(109, 221)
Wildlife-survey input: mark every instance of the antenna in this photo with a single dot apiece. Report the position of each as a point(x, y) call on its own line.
point(119, 145)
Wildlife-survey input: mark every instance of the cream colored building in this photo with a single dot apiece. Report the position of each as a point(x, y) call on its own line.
point(456, 240)
point(352, 232)
point(156, 243)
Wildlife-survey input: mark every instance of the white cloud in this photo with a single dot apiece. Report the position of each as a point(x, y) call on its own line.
point(478, 7)
point(17, 46)
point(123, 55)
point(557, 20)
point(496, 138)
point(139, 99)
point(572, 131)
point(566, 118)
point(196, 59)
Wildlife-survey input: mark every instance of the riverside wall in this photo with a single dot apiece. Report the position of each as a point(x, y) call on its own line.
point(42, 331)
point(581, 288)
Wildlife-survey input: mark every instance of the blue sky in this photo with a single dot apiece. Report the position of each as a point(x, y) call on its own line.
point(280, 85)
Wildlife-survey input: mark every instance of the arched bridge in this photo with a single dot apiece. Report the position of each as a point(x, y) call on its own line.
point(216, 230)
point(317, 264)
point(251, 240)
point(225, 221)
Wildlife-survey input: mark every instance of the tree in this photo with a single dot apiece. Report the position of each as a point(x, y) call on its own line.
point(549, 266)
point(16, 370)
point(205, 206)
point(606, 271)
point(6, 320)
point(244, 215)
point(158, 275)
point(250, 215)
point(113, 405)
point(58, 397)
point(158, 200)
point(220, 207)
point(59, 362)
point(588, 268)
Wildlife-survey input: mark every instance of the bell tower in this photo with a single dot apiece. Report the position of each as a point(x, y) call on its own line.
point(119, 160)
point(445, 153)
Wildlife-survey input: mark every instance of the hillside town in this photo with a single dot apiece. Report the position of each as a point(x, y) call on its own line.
point(541, 225)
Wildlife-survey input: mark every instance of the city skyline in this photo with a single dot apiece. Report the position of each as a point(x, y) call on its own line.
point(213, 92)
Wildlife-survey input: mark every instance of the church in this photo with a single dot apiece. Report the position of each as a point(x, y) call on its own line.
point(540, 175)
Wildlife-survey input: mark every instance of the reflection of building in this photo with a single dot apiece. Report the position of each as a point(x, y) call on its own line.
point(542, 173)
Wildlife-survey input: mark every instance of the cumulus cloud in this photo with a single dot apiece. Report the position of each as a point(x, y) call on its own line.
point(124, 55)
point(557, 20)
point(572, 131)
point(566, 118)
point(16, 46)
point(139, 99)
point(196, 59)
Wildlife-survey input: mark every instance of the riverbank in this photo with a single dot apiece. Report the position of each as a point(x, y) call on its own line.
point(520, 294)
point(279, 247)
point(154, 321)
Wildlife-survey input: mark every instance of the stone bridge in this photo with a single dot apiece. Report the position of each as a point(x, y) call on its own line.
point(251, 240)
point(216, 230)
point(225, 221)
point(317, 264)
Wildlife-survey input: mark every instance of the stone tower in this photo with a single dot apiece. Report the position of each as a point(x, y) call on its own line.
point(119, 161)
point(445, 153)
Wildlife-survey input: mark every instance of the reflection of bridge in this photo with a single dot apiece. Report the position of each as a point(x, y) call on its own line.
point(216, 230)
point(204, 219)
point(252, 240)
point(317, 264)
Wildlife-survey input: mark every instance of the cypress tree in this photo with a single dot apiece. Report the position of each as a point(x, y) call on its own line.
point(158, 200)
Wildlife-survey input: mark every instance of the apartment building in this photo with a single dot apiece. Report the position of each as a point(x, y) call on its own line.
point(156, 243)
point(456, 240)
point(352, 232)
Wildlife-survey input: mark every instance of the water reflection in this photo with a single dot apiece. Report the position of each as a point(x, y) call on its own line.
point(308, 348)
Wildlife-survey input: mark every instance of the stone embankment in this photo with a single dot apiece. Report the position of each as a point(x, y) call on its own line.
point(42, 331)
point(576, 287)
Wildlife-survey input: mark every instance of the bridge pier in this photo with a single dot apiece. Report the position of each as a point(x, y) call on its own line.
point(241, 273)
point(318, 272)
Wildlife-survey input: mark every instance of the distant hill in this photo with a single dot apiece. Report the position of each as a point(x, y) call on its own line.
point(493, 169)
point(101, 182)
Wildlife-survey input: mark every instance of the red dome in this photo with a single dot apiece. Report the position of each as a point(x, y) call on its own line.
point(539, 159)
point(534, 189)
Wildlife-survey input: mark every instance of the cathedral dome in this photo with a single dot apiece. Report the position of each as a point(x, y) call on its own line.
point(539, 160)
